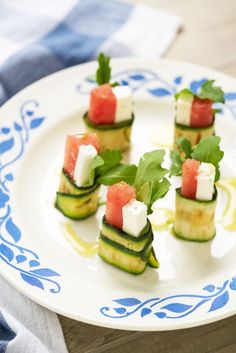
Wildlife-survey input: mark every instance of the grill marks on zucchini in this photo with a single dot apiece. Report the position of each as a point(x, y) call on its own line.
point(193, 134)
point(194, 220)
point(126, 240)
point(143, 254)
point(123, 260)
point(129, 253)
point(67, 186)
point(76, 202)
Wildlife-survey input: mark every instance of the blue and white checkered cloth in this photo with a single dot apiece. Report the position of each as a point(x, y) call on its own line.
point(37, 39)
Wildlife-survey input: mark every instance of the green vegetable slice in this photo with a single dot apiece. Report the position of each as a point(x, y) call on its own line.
point(118, 125)
point(103, 74)
point(208, 91)
point(208, 151)
point(149, 181)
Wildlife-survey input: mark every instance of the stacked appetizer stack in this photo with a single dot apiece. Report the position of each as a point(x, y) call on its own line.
point(196, 199)
point(195, 115)
point(77, 197)
point(110, 112)
point(85, 169)
point(198, 164)
point(126, 237)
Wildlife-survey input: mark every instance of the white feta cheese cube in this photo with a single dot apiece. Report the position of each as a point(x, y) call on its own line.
point(123, 103)
point(134, 217)
point(83, 164)
point(205, 182)
point(183, 109)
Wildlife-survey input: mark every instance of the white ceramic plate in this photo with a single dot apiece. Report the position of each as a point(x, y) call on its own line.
point(195, 283)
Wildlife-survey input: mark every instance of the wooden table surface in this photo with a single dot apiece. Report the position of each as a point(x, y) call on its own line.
point(208, 38)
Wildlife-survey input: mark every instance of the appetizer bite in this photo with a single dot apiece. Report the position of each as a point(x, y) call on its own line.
point(195, 114)
point(110, 110)
point(77, 197)
point(126, 237)
point(196, 198)
point(85, 168)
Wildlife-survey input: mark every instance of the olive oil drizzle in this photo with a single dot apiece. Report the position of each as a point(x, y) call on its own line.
point(161, 219)
point(82, 247)
point(228, 185)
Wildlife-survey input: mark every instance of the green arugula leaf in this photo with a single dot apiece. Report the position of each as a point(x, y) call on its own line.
point(208, 151)
point(150, 168)
point(97, 162)
point(183, 91)
point(208, 91)
point(121, 172)
point(184, 146)
point(178, 156)
point(149, 182)
point(148, 177)
point(159, 189)
point(152, 191)
point(103, 74)
point(111, 158)
point(176, 163)
point(143, 193)
point(214, 93)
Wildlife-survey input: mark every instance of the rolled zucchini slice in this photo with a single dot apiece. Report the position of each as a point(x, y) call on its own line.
point(123, 258)
point(194, 220)
point(77, 206)
point(126, 252)
point(126, 240)
point(112, 136)
point(76, 202)
point(152, 260)
point(194, 134)
point(68, 186)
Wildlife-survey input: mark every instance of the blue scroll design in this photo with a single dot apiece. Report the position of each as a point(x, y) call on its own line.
point(13, 141)
point(175, 306)
point(157, 86)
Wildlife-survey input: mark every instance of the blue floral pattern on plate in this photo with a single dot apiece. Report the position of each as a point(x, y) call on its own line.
point(13, 140)
point(156, 86)
point(174, 306)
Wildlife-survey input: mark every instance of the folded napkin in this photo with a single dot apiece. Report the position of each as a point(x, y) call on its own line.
point(37, 39)
point(26, 327)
